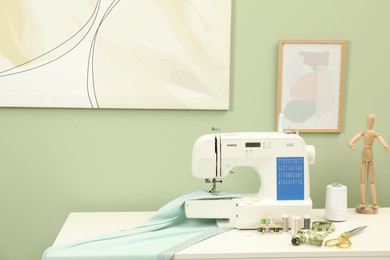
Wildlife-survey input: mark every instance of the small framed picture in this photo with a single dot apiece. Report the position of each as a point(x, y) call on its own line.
point(310, 85)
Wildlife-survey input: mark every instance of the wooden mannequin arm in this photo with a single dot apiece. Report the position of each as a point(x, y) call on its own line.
point(353, 140)
point(383, 142)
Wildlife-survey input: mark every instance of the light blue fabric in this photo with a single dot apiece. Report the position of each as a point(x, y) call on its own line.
point(168, 253)
point(165, 233)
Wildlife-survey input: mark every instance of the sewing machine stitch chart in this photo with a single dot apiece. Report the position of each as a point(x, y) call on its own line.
point(290, 174)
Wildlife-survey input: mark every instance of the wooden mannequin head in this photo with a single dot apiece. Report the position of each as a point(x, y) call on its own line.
point(370, 120)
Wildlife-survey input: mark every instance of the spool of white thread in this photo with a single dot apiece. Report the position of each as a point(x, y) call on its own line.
point(296, 224)
point(336, 202)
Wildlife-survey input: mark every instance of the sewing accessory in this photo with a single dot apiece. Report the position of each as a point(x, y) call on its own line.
point(336, 202)
point(314, 236)
point(306, 222)
point(296, 224)
point(285, 223)
point(343, 240)
point(268, 226)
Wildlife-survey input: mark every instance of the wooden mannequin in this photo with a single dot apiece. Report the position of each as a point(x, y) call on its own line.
point(367, 169)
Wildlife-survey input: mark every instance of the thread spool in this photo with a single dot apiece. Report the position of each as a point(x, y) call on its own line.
point(306, 222)
point(336, 202)
point(285, 223)
point(296, 224)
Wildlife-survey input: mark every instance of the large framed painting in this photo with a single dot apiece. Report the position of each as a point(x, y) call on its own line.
point(149, 54)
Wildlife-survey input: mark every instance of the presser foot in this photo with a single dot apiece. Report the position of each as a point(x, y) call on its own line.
point(213, 189)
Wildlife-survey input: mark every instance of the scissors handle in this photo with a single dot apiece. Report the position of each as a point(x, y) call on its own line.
point(345, 244)
point(332, 242)
point(340, 242)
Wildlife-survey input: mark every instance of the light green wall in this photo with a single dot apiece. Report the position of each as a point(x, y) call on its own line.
point(55, 161)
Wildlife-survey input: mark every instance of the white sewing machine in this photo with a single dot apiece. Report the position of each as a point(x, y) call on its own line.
point(280, 159)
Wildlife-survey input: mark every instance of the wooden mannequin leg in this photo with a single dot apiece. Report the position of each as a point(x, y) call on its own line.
point(362, 186)
point(371, 171)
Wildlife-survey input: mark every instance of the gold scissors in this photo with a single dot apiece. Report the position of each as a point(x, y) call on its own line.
point(343, 240)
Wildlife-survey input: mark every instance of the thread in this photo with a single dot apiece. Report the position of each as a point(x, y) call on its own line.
point(336, 202)
point(296, 224)
point(306, 222)
point(285, 223)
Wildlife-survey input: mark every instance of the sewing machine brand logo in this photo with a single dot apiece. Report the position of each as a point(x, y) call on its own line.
point(231, 145)
point(290, 145)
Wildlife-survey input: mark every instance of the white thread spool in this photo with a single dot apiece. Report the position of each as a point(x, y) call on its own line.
point(296, 224)
point(285, 223)
point(336, 202)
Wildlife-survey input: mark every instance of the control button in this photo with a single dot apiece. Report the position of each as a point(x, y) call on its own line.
point(267, 145)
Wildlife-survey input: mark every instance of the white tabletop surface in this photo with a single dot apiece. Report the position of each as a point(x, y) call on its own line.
point(371, 243)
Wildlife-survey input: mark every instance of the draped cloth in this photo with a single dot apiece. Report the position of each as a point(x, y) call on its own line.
point(165, 233)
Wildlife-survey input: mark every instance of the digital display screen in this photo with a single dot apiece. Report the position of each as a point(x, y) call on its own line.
point(252, 145)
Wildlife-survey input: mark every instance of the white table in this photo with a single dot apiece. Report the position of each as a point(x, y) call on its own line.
point(373, 243)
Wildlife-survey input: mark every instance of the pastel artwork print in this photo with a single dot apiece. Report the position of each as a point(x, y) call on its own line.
point(305, 101)
point(310, 84)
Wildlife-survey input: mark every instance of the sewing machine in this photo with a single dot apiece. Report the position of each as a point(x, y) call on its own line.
point(280, 159)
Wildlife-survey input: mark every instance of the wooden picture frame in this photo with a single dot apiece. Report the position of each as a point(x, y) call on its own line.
point(310, 85)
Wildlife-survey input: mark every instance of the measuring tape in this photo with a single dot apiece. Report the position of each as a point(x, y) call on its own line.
point(314, 236)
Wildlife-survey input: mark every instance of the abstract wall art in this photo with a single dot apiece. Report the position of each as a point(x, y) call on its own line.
point(149, 54)
point(310, 85)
